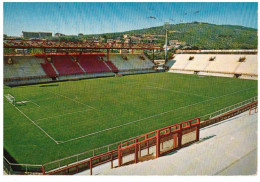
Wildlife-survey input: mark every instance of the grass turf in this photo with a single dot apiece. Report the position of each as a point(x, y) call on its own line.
point(77, 114)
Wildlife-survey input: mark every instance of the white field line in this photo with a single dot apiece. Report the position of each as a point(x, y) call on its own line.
point(48, 98)
point(171, 90)
point(35, 124)
point(162, 113)
point(31, 101)
point(73, 100)
point(178, 91)
point(63, 114)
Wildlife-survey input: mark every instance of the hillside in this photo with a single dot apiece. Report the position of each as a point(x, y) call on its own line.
point(201, 35)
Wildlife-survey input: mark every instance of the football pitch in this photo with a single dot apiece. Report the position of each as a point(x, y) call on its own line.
point(55, 120)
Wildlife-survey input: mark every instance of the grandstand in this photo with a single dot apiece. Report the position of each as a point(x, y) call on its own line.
point(133, 62)
point(23, 67)
point(24, 70)
point(93, 64)
point(49, 69)
point(65, 66)
point(227, 65)
point(39, 69)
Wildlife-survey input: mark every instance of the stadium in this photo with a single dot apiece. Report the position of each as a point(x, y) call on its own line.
point(73, 106)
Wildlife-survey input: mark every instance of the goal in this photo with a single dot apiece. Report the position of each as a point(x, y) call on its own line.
point(10, 98)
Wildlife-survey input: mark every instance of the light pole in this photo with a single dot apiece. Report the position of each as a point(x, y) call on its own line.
point(166, 27)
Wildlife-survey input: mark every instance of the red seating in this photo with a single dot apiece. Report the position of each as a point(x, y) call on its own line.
point(65, 65)
point(49, 70)
point(112, 66)
point(91, 64)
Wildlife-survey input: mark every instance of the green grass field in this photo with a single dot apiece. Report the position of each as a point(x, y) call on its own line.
point(65, 118)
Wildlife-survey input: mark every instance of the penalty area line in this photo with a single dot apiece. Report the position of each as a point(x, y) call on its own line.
point(162, 113)
point(35, 124)
point(32, 101)
point(55, 116)
point(72, 99)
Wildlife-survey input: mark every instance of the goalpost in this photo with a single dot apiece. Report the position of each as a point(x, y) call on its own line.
point(10, 98)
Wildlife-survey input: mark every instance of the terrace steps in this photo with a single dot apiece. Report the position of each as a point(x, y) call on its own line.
point(222, 64)
point(54, 68)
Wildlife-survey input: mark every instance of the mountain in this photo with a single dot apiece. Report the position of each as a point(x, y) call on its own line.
point(197, 35)
point(202, 35)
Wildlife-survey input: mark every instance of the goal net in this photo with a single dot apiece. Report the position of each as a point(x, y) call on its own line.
point(10, 98)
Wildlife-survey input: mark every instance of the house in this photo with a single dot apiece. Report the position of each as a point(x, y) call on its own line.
point(125, 36)
point(176, 43)
point(110, 40)
point(101, 39)
point(59, 35)
point(127, 41)
point(172, 42)
point(151, 39)
point(93, 39)
point(135, 39)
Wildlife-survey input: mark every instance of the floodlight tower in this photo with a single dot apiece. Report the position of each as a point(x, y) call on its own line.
point(166, 27)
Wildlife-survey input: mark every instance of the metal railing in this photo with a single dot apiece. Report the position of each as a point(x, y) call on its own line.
point(229, 108)
point(12, 168)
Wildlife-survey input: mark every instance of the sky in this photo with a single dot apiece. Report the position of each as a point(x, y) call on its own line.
point(96, 18)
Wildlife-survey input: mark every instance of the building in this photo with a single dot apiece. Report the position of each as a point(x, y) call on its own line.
point(151, 39)
point(36, 35)
point(127, 41)
point(125, 36)
point(173, 42)
point(59, 35)
point(118, 41)
point(176, 43)
point(136, 39)
point(110, 40)
point(92, 39)
point(101, 39)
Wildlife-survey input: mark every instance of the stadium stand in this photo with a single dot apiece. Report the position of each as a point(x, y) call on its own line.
point(65, 65)
point(249, 66)
point(179, 62)
point(224, 63)
point(49, 69)
point(131, 62)
point(140, 63)
point(92, 64)
point(111, 66)
point(119, 62)
point(200, 62)
point(28, 66)
point(228, 65)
